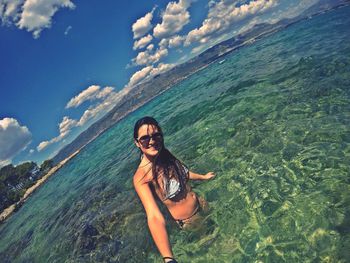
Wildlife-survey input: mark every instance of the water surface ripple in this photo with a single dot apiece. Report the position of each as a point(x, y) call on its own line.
point(272, 122)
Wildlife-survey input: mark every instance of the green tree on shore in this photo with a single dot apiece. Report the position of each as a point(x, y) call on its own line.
point(46, 166)
point(21, 175)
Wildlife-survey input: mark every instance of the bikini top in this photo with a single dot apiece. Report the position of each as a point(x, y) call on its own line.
point(172, 186)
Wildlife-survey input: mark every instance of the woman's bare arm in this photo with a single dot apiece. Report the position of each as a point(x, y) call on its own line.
point(155, 218)
point(195, 176)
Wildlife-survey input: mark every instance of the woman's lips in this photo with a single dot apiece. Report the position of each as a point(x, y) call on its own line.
point(154, 147)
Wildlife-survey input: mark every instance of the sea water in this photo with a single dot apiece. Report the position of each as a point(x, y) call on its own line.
point(273, 123)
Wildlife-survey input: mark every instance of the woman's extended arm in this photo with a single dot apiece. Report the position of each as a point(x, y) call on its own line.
point(155, 218)
point(195, 176)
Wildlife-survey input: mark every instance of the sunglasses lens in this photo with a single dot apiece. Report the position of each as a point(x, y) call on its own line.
point(157, 136)
point(145, 140)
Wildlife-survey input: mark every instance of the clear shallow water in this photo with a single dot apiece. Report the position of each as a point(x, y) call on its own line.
point(273, 122)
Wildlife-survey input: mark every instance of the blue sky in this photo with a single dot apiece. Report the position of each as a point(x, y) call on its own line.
point(65, 63)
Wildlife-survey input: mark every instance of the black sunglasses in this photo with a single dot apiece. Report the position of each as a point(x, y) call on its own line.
point(144, 140)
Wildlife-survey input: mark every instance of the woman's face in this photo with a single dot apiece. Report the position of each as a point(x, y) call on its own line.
point(149, 139)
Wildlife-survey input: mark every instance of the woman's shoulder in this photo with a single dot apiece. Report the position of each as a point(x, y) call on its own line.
point(143, 175)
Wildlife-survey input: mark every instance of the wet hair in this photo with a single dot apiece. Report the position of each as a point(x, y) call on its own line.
point(145, 120)
point(165, 164)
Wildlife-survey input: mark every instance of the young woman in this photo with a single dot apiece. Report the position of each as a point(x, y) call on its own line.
point(162, 176)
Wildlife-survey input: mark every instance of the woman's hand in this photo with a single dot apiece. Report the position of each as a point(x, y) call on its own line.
point(209, 175)
point(194, 176)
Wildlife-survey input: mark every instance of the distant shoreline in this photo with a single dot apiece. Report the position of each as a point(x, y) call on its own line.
point(14, 207)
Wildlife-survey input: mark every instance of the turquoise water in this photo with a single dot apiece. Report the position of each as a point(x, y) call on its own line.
point(273, 122)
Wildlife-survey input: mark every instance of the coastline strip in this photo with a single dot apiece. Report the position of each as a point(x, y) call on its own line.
point(12, 208)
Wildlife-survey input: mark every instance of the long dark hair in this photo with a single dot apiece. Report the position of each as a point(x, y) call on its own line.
point(165, 164)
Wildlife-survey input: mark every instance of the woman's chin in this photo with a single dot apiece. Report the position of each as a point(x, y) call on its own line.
point(152, 151)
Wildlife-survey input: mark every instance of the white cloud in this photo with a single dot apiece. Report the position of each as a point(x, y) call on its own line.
point(252, 8)
point(65, 127)
point(174, 18)
point(14, 138)
point(160, 53)
point(292, 10)
point(148, 72)
point(223, 15)
point(43, 145)
point(162, 67)
point(32, 15)
point(67, 30)
point(105, 92)
point(183, 59)
point(142, 25)
point(144, 41)
point(107, 98)
point(95, 111)
point(147, 58)
point(4, 162)
point(91, 93)
point(164, 43)
point(9, 10)
point(88, 94)
point(172, 42)
point(139, 75)
point(150, 47)
point(198, 49)
point(176, 41)
point(142, 58)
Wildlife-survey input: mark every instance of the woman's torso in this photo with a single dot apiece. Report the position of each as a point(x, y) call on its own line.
point(182, 205)
point(184, 208)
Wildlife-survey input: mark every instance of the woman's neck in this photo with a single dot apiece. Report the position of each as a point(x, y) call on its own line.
point(147, 158)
